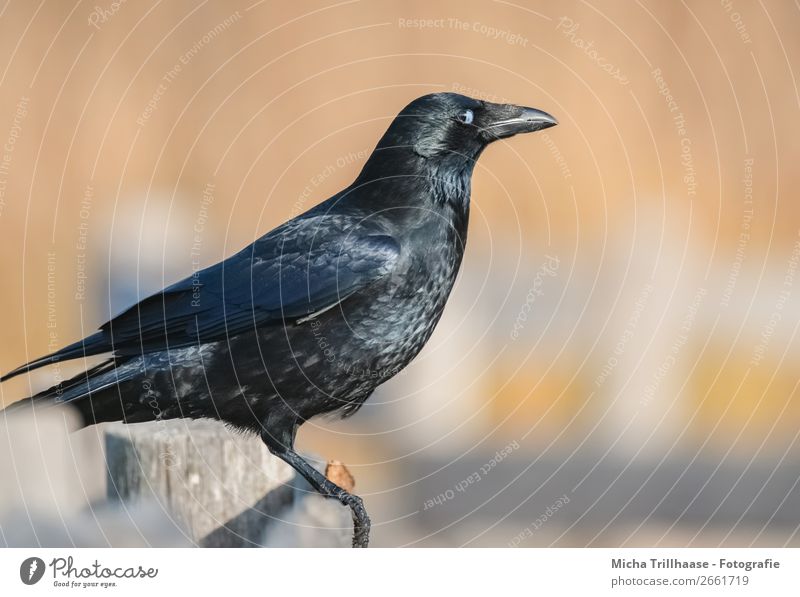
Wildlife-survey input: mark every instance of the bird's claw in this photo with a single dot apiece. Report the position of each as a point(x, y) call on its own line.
point(361, 523)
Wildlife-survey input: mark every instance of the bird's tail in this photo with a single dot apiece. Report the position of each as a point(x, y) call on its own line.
point(92, 382)
point(95, 344)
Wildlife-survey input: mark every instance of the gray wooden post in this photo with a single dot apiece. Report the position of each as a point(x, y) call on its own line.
point(223, 487)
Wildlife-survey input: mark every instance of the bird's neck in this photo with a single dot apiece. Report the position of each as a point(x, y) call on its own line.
point(450, 182)
point(410, 189)
point(443, 179)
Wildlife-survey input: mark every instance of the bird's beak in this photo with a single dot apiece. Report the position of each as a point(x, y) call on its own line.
point(505, 120)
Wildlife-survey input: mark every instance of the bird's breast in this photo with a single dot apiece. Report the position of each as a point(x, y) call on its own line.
point(398, 316)
point(351, 348)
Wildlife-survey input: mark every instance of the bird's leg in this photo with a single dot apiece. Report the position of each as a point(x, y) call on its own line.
point(280, 442)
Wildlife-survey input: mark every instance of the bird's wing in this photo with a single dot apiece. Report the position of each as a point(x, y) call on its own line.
point(303, 267)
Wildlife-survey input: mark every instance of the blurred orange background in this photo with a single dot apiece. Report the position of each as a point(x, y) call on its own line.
point(628, 299)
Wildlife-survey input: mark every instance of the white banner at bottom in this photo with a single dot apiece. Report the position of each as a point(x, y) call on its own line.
point(390, 572)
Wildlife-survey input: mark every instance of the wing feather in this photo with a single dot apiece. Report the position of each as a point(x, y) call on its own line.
point(303, 267)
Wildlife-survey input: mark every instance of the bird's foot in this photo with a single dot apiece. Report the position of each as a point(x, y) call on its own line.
point(322, 483)
point(361, 524)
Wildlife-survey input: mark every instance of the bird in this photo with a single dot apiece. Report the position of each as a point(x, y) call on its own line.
point(311, 317)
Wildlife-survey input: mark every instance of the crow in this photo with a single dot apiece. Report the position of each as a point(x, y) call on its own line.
point(314, 315)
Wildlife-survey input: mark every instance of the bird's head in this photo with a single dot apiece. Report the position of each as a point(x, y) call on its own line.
point(448, 125)
point(436, 140)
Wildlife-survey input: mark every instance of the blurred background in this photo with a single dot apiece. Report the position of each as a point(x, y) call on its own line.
point(618, 364)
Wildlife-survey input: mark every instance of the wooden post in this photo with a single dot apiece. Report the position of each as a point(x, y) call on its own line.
point(223, 487)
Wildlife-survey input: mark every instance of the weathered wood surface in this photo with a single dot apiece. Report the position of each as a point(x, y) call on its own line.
point(54, 488)
point(223, 486)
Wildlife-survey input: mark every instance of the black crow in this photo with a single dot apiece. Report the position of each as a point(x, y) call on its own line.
point(314, 315)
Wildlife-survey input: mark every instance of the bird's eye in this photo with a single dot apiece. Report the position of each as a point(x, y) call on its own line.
point(466, 116)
